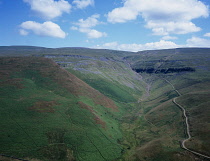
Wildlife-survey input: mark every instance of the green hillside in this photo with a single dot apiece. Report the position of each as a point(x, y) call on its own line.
point(49, 114)
point(165, 123)
point(94, 104)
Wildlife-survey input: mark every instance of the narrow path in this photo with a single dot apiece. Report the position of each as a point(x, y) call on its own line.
point(186, 122)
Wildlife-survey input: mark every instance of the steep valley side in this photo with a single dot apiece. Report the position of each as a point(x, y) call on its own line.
point(49, 114)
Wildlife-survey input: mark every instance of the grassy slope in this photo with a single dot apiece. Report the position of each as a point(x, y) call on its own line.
point(49, 114)
point(164, 120)
point(195, 97)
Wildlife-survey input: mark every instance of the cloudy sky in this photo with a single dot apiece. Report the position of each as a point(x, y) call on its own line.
point(131, 25)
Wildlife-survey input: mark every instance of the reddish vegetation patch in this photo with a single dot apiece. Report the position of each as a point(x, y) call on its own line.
point(84, 106)
point(96, 118)
point(44, 106)
point(99, 121)
point(16, 82)
point(105, 101)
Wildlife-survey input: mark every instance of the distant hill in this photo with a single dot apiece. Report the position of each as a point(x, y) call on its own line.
point(32, 50)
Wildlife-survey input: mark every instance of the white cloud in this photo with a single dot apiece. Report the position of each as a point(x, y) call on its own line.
point(23, 32)
point(111, 45)
point(74, 28)
point(49, 9)
point(207, 34)
point(164, 28)
point(162, 44)
point(46, 29)
point(198, 42)
point(81, 4)
point(91, 21)
point(121, 15)
point(85, 26)
point(169, 38)
point(162, 16)
point(94, 34)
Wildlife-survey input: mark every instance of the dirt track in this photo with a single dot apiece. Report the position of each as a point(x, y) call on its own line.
point(186, 122)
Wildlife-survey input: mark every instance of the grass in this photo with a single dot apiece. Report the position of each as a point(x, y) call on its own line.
point(197, 108)
point(160, 118)
point(42, 119)
point(112, 89)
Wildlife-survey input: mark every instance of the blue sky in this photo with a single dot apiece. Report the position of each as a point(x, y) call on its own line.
point(131, 25)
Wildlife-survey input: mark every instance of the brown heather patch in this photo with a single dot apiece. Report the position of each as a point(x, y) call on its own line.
point(84, 106)
point(105, 101)
point(17, 64)
point(96, 118)
point(99, 121)
point(44, 106)
point(6, 67)
point(16, 82)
